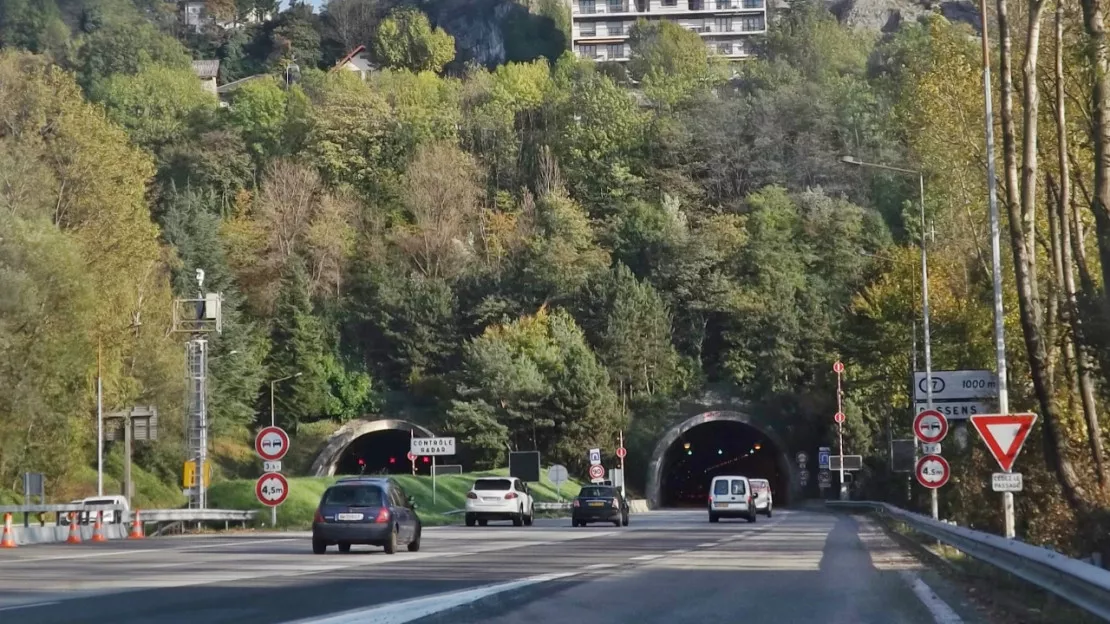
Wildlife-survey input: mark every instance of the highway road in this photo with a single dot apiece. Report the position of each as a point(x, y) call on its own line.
point(666, 567)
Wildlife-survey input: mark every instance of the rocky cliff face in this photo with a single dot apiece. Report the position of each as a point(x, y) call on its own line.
point(492, 32)
point(888, 15)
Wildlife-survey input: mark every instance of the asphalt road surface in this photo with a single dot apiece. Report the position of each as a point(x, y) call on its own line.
point(666, 567)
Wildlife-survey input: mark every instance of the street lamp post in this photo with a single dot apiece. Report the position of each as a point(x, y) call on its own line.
point(273, 510)
point(924, 290)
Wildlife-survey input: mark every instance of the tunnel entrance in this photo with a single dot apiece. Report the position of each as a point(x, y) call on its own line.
point(381, 453)
point(712, 449)
point(711, 444)
point(382, 445)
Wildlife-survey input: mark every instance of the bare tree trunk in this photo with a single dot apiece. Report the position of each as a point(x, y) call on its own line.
point(1071, 305)
point(1021, 209)
point(1099, 56)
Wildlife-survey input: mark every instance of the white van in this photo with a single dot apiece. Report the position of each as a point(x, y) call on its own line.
point(763, 500)
point(96, 503)
point(731, 497)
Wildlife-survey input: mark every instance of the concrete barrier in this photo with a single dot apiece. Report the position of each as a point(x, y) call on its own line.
point(54, 534)
point(638, 505)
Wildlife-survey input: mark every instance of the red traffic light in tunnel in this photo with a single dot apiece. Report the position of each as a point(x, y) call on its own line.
point(392, 460)
point(361, 461)
point(427, 460)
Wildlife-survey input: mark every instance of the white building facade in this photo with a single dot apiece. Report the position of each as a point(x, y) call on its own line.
point(601, 27)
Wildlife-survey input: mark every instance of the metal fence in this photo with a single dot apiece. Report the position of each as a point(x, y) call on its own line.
point(1080, 583)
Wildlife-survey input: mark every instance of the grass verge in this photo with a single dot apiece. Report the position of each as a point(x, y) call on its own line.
point(999, 596)
point(304, 494)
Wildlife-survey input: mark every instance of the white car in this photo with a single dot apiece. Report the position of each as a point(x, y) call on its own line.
point(763, 499)
point(731, 496)
point(499, 498)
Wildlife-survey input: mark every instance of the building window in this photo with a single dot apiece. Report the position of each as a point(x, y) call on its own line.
point(616, 51)
point(587, 51)
point(587, 29)
point(615, 29)
point(753, 4)
point(722, 24)
point(697, 5)
point(670, 3)
point(724, 5)
point(586, 6)
point(724, 47)
point(616, 6)
point(751, 24)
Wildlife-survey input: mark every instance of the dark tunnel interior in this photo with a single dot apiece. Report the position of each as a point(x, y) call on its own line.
point(718, 448)
point(381, 452)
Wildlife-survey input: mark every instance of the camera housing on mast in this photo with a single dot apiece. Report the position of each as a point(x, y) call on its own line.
point(202, 314)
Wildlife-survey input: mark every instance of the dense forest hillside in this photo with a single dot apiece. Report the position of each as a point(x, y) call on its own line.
point(524, 251)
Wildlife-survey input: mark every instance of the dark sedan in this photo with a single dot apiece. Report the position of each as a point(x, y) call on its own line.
point(599, 503)
point(365, 510)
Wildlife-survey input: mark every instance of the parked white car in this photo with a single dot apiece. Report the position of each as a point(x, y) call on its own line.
point(89, 517)
point(763, 499)
point(499, 498)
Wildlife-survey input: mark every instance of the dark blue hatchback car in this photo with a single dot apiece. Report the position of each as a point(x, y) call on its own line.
point(365, 510)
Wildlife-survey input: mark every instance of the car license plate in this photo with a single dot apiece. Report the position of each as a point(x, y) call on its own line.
point(596, 503)
point(348, 516)
point(722, 504)
point(491, 499)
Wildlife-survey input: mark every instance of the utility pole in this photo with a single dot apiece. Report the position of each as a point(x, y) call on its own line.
point(996, 256)
point(99, 422)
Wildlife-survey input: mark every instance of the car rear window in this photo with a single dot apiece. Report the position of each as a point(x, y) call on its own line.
point(738, 488)
point(354, 496)
point(761, 486)
point(603, 492)
point(493, 484)
point(721, 487)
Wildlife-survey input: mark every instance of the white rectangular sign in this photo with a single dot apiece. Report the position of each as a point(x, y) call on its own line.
point(595, 457)
point(930, 449)
point(433, 446)
point(1006, 482)
point(959, 410)
point(957, 385)
point(271, 466)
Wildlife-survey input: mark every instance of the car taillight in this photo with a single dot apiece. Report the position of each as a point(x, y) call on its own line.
point(711, 498)
point(319, 517)
point(510, 496)
point(576, 503)
point(383, 515)
point(471, 495)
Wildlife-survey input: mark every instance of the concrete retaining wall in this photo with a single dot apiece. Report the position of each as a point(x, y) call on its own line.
point(638, 505)
point(53, 534)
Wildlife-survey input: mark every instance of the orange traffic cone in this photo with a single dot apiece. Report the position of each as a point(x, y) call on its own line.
point(74, 530)
point(136, 527)
point(98, 528)
point(8, 538)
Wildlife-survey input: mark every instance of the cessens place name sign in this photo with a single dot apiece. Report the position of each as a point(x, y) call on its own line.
point(433, 446)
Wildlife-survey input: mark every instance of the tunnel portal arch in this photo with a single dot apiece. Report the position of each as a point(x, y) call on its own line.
point(658, 463)
point(328, 458)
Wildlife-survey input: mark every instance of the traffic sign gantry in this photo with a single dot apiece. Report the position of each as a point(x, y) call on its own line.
point(272, 443)
point(1004, 434)
point(597, 471)
point(621, 452)
point(838, 417)
point(930, 426)
point(932, 471)
point(271, 489)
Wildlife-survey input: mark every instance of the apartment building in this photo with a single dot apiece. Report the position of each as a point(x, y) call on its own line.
point(601, 27)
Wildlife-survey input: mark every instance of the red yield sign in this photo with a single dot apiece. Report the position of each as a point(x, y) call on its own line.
point(1004, 434)
point(597, 472)
point(932, 471)
point(271, 489)
point(621, 452)
point(930, 426)
point(272, 443)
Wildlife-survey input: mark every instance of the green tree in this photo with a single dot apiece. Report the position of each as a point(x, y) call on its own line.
point(406, 40)
point(671, 61)
point(120, 41)
point(158, 106)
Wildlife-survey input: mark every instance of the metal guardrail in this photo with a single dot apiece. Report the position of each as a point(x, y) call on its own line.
point(197, 515)
point(1080, 583)
point(87, 513)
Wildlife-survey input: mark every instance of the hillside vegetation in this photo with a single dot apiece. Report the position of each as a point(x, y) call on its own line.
point(540, 254)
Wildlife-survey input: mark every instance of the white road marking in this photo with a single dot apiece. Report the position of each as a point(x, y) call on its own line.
point(417, 608)
point(707, 544)
point(31, 605)
point(646, 558)
point(116, 553)
point(942, 613)
point(600, 566)
point(675, 552)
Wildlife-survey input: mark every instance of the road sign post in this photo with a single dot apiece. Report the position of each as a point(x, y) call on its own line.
point(621, 452)
point(271, 444)
point(930, 427)
point(597, 473)
point(932, 471)
point(595, 457)
point(1004, 435)
point(838, 368)
point(435, 447)
point(557, 474)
